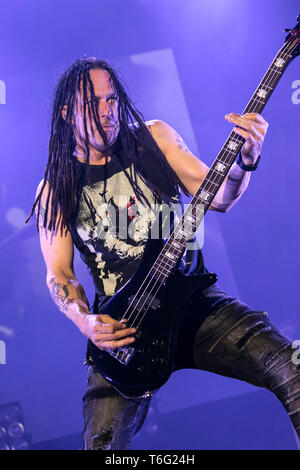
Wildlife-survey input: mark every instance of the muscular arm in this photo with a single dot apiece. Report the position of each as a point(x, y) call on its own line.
point(191, 171)
point(58, 251)
point(233, 187)
point(68, 294)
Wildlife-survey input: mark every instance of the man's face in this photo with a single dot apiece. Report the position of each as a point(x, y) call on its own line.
point(106, 101)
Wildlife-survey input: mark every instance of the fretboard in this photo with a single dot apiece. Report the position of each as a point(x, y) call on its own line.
point(193, 215)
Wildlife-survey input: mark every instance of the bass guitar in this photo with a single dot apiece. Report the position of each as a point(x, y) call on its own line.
point(151, 300)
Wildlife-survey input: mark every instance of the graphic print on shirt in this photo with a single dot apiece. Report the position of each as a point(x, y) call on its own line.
point(114, 228)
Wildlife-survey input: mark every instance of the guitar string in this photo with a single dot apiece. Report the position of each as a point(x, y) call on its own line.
point(212, 183)
point(266, 81)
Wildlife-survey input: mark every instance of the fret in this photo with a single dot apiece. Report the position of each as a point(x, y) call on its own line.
point(159, 270)
point(199, 206)
point(269, 76)
point(178, 246)
point(167, 268)
point(172, 246)
point(228, 159)
point(176, 252)
point(159, 275)
point(230, 151)
point(189, 229)
point(180, 240)
point(186, 228)
point(204, 195)
point(218, 172)
point(179, 234)
point(189, 218)
point(275, 70)
point(287, 55)
point(267, 86)
point(220, 161)
point(198, 198)
point(219, 164)
point(197, 209)
point(175, 246)
point(200, 202)
point(165, 262)
point(277, 67)
point(236, 136)
point(182, 233)
point(211, 182)
point(258, 101)
point(169, 255)
point(234, 139)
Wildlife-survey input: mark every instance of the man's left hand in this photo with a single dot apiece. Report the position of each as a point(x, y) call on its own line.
point(253, 128)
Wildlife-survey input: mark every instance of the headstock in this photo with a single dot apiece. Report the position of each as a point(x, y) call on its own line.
point(292, 41)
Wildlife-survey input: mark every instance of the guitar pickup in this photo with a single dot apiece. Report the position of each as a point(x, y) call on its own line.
point(144, 301)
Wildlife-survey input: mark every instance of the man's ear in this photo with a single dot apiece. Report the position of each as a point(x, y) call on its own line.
point(64, 112)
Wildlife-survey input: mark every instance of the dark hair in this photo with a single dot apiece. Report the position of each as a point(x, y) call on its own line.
point(60, 170)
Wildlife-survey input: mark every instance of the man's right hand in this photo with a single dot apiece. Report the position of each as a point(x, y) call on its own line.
point(68, 294)
point(107, 333)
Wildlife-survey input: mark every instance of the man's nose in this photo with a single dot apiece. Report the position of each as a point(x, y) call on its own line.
point(105, 109)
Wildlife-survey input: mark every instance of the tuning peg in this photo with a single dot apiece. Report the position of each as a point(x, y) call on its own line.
point(287, 30)
point(298, 18)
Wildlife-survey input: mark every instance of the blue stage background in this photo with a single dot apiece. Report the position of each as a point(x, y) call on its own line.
point(189, 63)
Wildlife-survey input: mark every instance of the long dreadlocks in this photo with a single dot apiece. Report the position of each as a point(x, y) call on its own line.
point(60, 170)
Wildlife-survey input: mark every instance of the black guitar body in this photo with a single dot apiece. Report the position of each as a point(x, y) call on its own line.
point(144, 366)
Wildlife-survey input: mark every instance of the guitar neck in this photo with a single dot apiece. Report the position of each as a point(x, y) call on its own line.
point(193, 215)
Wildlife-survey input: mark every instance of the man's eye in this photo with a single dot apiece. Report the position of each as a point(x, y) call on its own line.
point(112, 98)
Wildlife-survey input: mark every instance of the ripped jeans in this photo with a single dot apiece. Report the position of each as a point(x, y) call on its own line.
point(230, 339)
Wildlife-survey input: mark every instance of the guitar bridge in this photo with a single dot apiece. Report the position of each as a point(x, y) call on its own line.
point(123, 355)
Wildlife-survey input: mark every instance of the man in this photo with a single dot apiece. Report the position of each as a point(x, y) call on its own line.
point(98, 173)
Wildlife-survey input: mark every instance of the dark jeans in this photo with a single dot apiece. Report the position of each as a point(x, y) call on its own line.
point(233, 340)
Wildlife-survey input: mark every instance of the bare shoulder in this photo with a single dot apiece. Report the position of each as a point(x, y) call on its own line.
point(166, 136)
point(42, 204)
point(189, 169)
point(57, 247)
point(157, 127)
point(45, 190)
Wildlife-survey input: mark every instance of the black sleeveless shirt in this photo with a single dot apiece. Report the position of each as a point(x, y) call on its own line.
point(111, 226)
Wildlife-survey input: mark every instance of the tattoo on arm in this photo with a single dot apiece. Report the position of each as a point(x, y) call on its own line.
point(41, 218)
point(60, 293)
point(180, 143)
